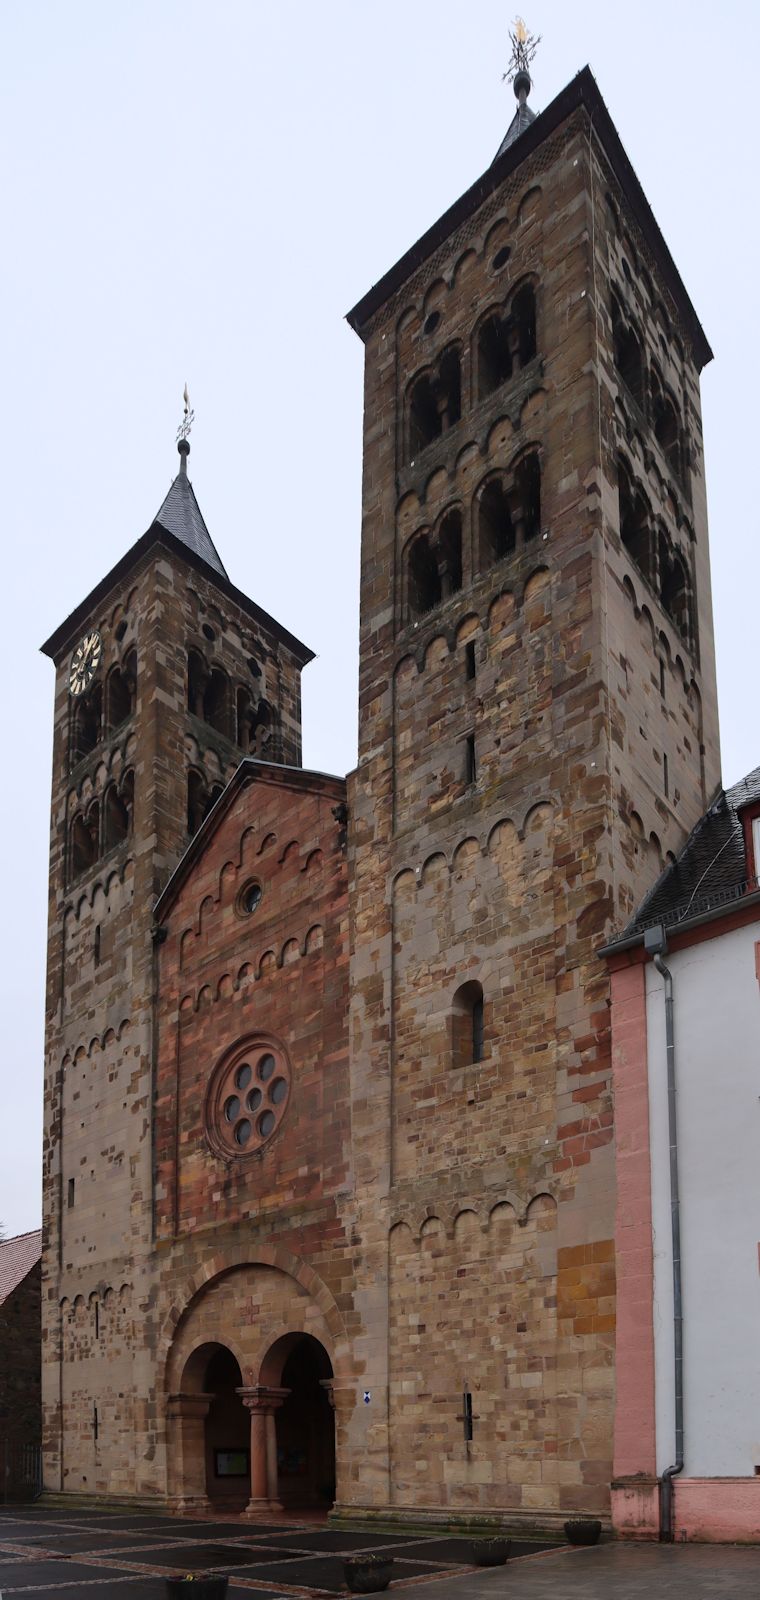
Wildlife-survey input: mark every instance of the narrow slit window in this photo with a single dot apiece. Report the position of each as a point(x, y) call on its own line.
point(70, 1193)
point(471, 767)
point(665, 777)
point(469, 660)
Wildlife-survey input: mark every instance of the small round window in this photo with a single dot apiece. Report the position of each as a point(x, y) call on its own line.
point(249, 898)
point(248, 1097)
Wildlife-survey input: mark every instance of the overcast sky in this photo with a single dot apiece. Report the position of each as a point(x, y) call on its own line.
point(196, 190)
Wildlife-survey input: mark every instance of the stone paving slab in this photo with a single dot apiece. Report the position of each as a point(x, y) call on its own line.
point(613, 1572)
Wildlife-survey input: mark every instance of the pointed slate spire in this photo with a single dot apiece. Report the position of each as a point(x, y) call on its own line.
point(181, 516)
point(524, 47)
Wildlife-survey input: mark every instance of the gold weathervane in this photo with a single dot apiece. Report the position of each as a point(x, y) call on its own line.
point(524, 47)
point(187, 419)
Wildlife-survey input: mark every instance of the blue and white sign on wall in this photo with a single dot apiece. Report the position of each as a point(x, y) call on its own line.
point(367, 1396)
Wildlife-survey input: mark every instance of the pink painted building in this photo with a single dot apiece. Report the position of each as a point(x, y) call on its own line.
point(685, 987)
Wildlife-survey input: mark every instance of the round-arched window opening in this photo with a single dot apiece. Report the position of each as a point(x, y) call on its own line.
point(431, 323)
point(501, 258)
point(253, 667)
point(208, 632)
point(121, 630)
point(249, 898)
point(247, 1097)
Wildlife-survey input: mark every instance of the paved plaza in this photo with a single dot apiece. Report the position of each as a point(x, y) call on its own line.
point(49, 1552)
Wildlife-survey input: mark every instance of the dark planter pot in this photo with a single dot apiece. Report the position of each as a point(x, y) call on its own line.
point(199, 1589)
point(490, 1552)
point(368, 1576)
point(585, 1531)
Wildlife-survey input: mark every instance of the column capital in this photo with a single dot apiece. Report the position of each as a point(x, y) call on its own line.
point(262, 1397)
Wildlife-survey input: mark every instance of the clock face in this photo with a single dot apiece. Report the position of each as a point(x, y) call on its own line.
point(84, 663)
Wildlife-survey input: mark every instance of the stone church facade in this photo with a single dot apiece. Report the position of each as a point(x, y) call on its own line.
point(329, 1173)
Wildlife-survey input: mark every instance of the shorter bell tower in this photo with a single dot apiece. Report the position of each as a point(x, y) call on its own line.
point(167, 675)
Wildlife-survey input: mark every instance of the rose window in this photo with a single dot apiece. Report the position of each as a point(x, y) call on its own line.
point(248, 1097)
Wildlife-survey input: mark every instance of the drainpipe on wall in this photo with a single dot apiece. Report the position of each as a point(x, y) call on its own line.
point(655, 944)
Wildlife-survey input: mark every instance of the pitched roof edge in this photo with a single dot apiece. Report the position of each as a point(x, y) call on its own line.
point(250, 771)
point(67, 632)
point(582, 90)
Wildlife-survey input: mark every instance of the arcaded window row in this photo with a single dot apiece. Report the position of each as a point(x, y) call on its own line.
point(101, 825)
point(506, 512)
point(647, 387)
point(504, 343)
point(652, 553)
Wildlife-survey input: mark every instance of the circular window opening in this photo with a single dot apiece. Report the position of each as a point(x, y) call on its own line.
point(501, 258)
point(248, 1096)
point(208, 632)
point(249, 898)
point(431, 322)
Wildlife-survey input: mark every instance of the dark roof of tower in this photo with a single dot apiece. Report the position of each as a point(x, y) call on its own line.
point(581, 91)
point(709, 874)
point(181, 515)
point(180, 528)
point(520, 122)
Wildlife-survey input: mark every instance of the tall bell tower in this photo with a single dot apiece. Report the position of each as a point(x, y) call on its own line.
point(538, 732)
point(166, 675)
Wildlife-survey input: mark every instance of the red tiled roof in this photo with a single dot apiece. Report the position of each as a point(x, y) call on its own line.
point(17, 1257)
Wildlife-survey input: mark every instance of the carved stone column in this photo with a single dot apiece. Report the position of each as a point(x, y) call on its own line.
point(186, 1418)
point(262, 1403)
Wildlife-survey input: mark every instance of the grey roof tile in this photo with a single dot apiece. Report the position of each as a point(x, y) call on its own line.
point(521, 120)
point(711, 868)
point(181, 515)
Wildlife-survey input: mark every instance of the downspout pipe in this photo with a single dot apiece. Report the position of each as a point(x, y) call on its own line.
point(655, 943)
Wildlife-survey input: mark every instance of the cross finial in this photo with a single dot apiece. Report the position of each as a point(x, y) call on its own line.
point(187, 419)
point(524, 47)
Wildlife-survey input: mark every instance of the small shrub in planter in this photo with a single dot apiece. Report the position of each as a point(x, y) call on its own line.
point(368, 1574)
point(194, 1586)
point(583, 1530)
point(490, 1552)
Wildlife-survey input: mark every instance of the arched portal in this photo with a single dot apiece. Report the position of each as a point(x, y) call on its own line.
point(299, 1367)
point(215, 1428)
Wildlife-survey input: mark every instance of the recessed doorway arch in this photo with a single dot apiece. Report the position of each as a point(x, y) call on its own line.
point(214, 1427)
point(298, 1366)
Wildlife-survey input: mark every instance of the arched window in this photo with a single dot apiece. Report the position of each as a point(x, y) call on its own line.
point(467, 1025)
point(262, 727)
point(423, 577)
point(626, 347)
point(495, 530)
point(506, 342)
point(243, 718)
point(216, 701)
point(449, 545)
point(196, 800)
point(675, 593)
point(117, 811)
point(86, 721)
point(509, 511)
point(84, 840)
point(635, 531)
point(197, 675)
point(665, 422)
point(121, 689)
point(435, 402)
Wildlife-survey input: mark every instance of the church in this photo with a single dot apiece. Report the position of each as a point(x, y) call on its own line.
point(329, 1166)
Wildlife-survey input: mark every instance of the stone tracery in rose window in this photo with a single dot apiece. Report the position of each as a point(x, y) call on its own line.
point(248, 1097)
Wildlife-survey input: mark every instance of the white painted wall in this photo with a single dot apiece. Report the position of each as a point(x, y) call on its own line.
point(717, 1035)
